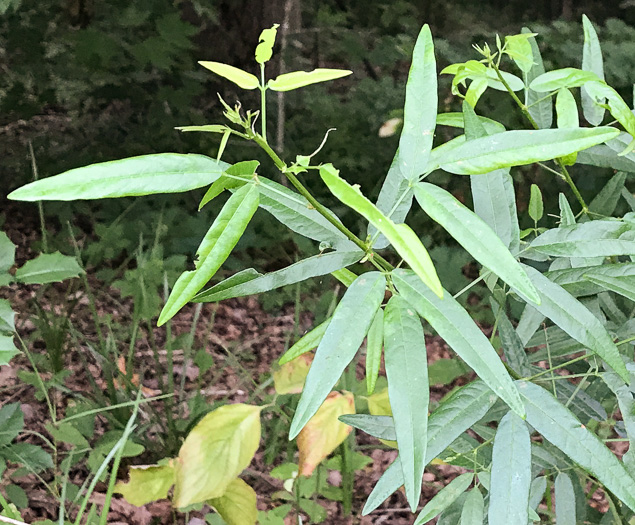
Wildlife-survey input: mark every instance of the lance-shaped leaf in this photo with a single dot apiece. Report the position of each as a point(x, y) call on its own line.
point(415, 142)
point(404, 240)
point(217, 449)
point(576, 320)
point(207, 128)
point(513, 348)
point(493, 193)
point(306, 343)
point(567, 117)
point(324, 432)
point(381, 427)
point(321, 264)
point(626, 405)
point(511, 472)
point(374, 345)
point(444, 498)
point(565, 500)
point(244, 170)
point(455, 414)
point(298, 79)
point(144, 175)
point(290, 377)
point(540, 110)
point(605, 202)
point(599, 91)
point(624, 285)
point(239, 77)
point(568, 77)
point(519, 147)
point(456, 120)
point(456, 327)
point(345, 276)
point(604, 156)
point(588, 239)
point(267, 38)
point(344, 335)
point(406, 363)
point(48, 268)
point(147, 484)
point(591, 61)
point(474, 235)
point(560, 427)
point(218, 243)
point(578, 281)
point(237, 505)
point(472, 512)
point(536, 207)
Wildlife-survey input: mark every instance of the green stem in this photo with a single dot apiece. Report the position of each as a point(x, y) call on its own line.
point(263, 102)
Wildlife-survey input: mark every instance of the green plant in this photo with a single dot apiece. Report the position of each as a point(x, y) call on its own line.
point(578, 274)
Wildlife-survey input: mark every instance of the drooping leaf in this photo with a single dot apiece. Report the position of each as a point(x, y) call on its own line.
point(244, 170)
point(473, 507)
point(374, 345)
point(406, 363)
point(264, 49)
point(147, 483)
point(513, 347)
point(290, 377)
point(444, 498)
point(298, 79)
point(568, 77)
point(557, 425)
point(604, 203)
point(381, 427)
point(339, 344)
point(306, 343)
point(578, 281)
point(218, 243)
point(324, 432)
point(458, 330)
point(535, 208)
point(567, 117)
point(404, 240)
point(239, 77)
point(540, 110)
point(473, 234)
point(576, 320)
point(520, 147)
point(217, 449)
point(591, 61)
point(511, 472)
point(48, 268)
point(7, 253)
point(415, 142)
point(237, 505)
point(565, 500)
point(624, 285)
point(599, 91)
point(144, 175)
point(318, 265)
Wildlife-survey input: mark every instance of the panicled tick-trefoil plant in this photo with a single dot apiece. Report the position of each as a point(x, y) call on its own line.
point(539, 420)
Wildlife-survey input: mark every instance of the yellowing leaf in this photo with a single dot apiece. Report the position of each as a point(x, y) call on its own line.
point(147, 483)
point(237, 506)
point(324, 432)
point(298, 79)
point(379, 405)
point(289, 378)
point(215, 452)
point(239, 77)
point(267, 38)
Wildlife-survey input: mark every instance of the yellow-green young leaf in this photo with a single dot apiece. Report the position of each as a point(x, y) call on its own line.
point(298, 79)
point(218, 243)
point(306, 343)
point(568, 77)
point(404, 240)
point(237, 506)
point(290, 377)
point(239, 77)
point(345, 276)
point(264, 49)
point(209, 128)
point(535, 203)
point(519, 49)
point(324, 432)
point(567, 117)
point(374, 344)
point(599, 90)
point(473, 234)
point(217, 450)
point(147, 483)
point(591, 61)
point(144, 175)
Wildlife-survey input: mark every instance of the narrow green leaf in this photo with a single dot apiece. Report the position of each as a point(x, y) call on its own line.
point(601, 93)
point(541, 112)
point(565, 500)
point(591, 61)
point(406, 363)
point(306, 343)
point(519, 147)
point(473, 234)
point(218, 243)
point(264, 49)
point(239, 77)
point(209, 128)
point(605, 202)
point(444, 498)
point(321, 264)
point(578, 281)
point(345, 276)
point(567, 218)
point(339, 344)
point(455, 120)
point(560, 427)
point(511, 472)
point(568, 77)
point(245, 170)
point(374, 345)
point(567, 117)
point(612, 155)
point(458, 330)
point(589, 239)
point(48, 268)
point(298, 79)
point(576, 320)
point(535, 203)
point(629, 198)
point(626, 404)
point(415, 142)
point(381, 427)
point(472, 513)
point(144, 175)
point(513, 347)
point(493, 193)
point(537, 491)
point(624, 285)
